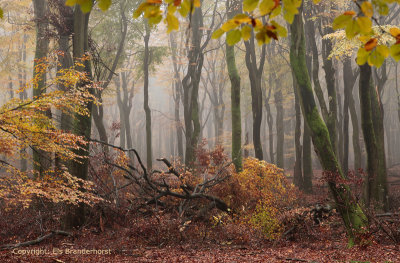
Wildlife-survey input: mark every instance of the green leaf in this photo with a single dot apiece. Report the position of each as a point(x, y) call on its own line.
point(249, 5)
point(104, 4)
point(395, 52)
point(1, 13)
point(233, 37)
point(246, 33)
point(217, 33)
point(341, 21)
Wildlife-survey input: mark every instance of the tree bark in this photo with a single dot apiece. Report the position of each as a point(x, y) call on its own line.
point(353, 217)
point(233, 7)
point(372, 126)
point(42, 160)
point(75, 215)
point(147, 111)
point(255, 75)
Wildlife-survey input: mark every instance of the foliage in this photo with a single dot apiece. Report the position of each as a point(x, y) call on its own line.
point(26, 123)
point(258, 195)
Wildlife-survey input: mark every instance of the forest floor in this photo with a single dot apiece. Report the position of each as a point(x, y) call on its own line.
point(156, 238)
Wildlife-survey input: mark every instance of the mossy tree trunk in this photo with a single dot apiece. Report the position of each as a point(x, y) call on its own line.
point(353, 217)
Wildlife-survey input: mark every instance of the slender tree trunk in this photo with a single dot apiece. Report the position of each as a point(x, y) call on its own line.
point(356, 133)
point(353, 217)
point(146, 64)
point(279, 125)
point(22, 96)
point(297, 173)
point(330, 83)
point(177, 96)
point(233, 7)
point(255, 75)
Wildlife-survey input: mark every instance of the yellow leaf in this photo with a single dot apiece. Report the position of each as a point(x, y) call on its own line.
point(352, 29)
point(395, 52)
point(341, 21)
point(229, 25)
point(362, 56)
point(367, 9)
point(217, 33)
point(104, 4)
point(233, 37)
point(172, 22)
point(383, 50)
point(249, 5)
point(266, 6)
point(364, 23)
point(394, 31)
point(246, 33)
point(375, 59)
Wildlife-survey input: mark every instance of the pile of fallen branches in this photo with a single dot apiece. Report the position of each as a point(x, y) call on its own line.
point(152, 187)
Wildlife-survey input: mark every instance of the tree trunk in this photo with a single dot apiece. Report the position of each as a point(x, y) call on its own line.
point(191, 87)
point(42, 160)
point(255, 75)
point(75, 216)
point(353, 217)
point(297, 173)
point(280, 134)
point(146, 64)
point(177, 96)
point(372, 125)
point(233, 7)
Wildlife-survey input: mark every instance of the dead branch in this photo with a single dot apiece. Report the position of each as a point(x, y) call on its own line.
point(36, 241)
point(152, 187)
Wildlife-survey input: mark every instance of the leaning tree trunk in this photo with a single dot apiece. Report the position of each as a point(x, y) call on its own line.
point(353, 217)
point(42, 160)
point(372, 122)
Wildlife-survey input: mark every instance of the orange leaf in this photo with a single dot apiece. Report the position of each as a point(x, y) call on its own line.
point(371, 44)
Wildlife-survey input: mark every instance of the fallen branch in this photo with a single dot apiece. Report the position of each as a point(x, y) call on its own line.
point(35, 241)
